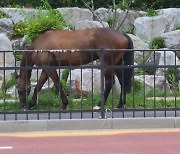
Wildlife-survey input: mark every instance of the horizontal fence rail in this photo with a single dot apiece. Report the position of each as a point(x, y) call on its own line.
point(85, 77)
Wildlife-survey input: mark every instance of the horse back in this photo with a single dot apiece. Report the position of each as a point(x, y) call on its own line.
point(80, 39)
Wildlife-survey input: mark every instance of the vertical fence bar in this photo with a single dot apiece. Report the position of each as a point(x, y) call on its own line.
point(81, 95)
point(4, 91)
point(92, 85)
point(112, 83)
point(102, 84)
point(15, 73)
point(165, 88)
point(176, 85)
point(154, 91)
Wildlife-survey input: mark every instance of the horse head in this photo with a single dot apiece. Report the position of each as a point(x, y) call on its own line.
point(23, 91)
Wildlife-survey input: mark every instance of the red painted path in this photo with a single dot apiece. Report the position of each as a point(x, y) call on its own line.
point(104, 142)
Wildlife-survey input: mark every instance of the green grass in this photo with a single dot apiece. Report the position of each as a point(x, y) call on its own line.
point(50, 101)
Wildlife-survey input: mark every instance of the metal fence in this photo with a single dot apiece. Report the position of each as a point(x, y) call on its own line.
point(154, 93)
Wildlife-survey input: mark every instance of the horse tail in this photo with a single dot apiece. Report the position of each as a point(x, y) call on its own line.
point(128, 59)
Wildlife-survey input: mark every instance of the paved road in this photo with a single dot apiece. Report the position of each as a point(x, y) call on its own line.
point(93, 142)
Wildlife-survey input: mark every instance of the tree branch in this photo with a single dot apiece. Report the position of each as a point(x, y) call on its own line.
point(94, 14)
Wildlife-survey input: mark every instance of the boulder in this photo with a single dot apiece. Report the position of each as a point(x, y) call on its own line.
point(160, 82)
point(108, 16)
point(81, 82)
point(104, 14)
point(139, 45)
point(7, 57)
point(149, 27)
point(175, 11)
point(18, 14)
point(166, 58)
point(89, 24)
point(129, 19)
point(6, 26)
point(74, 14)
point(172, 40)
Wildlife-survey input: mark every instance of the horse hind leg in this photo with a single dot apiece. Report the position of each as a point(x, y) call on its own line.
point(109, 81)
point(120, 75)
point(55, 78)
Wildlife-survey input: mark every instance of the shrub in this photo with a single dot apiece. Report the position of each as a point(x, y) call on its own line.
point(177, 26)
point(173, 77)
point(157, 43)
point(19, 29)
point(64, 78)
point(137, 86)
point(3, 15)
point(129, 31)
point(46, 18)
point(50, 20)
point(151, 13)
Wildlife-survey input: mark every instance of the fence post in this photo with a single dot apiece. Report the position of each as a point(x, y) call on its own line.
point(102, 116)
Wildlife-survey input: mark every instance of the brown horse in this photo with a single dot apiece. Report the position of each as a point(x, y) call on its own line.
point(97, 38)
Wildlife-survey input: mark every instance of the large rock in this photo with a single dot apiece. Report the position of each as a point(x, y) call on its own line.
point(175, 11)
point(89, 24)
point(166, 58)
point(75, 14)
point(118, 16)
point(149, 27)
point(81, 82)
point(6, 26)
point(18, 14)
point(139, 45)
point(128, 19)
point(104, 14)
point(7, 57)
point(172, 40)
point(160, 82)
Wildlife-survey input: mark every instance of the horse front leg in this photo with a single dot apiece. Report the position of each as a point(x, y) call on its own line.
point(42, 79)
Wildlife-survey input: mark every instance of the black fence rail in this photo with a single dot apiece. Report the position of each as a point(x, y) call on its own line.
point(86, 77)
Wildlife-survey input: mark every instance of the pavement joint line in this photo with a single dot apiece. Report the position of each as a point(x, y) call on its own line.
point(87, 133)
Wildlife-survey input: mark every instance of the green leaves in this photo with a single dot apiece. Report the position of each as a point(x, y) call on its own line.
point(51, 19)
point(157, 43)
point(46, 18)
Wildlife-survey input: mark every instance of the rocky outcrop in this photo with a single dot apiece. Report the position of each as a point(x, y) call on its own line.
point(151, 82)
point(117, 17)
point(74, 14)
point(89, 24)
point(18, 14)
point(6, 26)
point(172, 40)
point(7, 58)
point(148, 28)
point(169, 11)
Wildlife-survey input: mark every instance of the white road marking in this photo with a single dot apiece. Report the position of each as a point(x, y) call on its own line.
point(6, 148)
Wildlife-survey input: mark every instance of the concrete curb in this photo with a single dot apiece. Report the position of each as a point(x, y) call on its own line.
point(87, 124)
